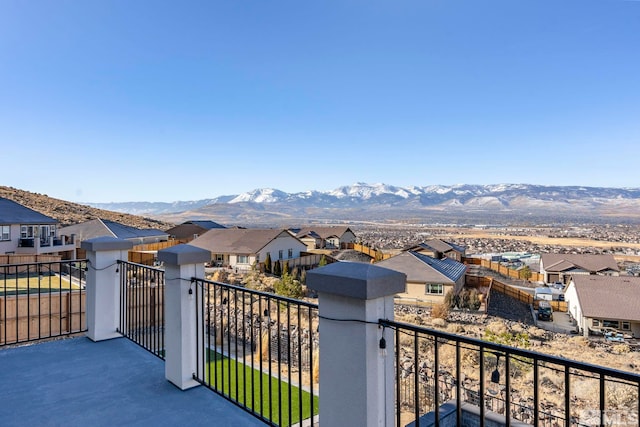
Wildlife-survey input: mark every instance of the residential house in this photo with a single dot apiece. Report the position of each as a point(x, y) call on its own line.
point(102, 227)
point(437, 248)
point(190, 230)
point(428, 279)
point(27, 232)
point(326, 237)
point(561, 267)
point(241, 248)
point(597, 302)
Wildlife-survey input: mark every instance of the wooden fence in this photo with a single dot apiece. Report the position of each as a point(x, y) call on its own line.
point(373, 253)
point(504, 270)
point(144, 258)
point(26, 259)
point(513, 292)
point(157, 246)
point(34, 316)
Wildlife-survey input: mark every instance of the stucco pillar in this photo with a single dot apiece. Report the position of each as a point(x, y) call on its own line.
point(356, 377)
point(181, 263)
point(103, 285)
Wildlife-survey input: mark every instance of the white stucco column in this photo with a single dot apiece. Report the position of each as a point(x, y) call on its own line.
point(356, 378)
point(103, 285)
point(181, 263)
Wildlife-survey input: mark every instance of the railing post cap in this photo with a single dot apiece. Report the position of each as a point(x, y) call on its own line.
point(184, 254)
point(356, 280)
point(106, 243)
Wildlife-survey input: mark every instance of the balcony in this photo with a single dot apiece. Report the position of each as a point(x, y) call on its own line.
point(78, 382)
point(49, 244)
point(242, 357)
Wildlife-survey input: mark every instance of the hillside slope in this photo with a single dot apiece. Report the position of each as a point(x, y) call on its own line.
point(69, 213)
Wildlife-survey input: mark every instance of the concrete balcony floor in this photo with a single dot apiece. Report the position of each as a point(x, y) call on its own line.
point(77, 382)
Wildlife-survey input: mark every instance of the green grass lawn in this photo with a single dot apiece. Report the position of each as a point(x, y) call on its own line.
point(253, 390)
point(35, 283)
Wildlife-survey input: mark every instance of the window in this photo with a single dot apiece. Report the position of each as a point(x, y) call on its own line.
point(243, 259)
point(280, 253)
point(625, 326)
point(611, 324)
point(5, 232)
point(290, 255)
point(26, 231)
point(435, 288)
point(595, 322)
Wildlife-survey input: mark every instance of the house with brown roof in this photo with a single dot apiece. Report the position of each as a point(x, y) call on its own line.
point(561, 267)
point(600, 302)
point(241, 248)
point(190, 230)
point(326, 237)
point(428, 279)
point(439, 249)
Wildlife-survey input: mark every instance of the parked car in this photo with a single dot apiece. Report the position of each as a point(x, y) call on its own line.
point(614, 336)
point(545, 311)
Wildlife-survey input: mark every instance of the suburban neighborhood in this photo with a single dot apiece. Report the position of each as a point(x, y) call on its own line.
point(514, 298)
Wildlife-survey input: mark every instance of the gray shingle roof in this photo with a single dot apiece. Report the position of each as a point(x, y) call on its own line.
point(238, 240)
point(206, 224)
point(98, 228)
point(14, 213)
point(324, 231)
point(609, 297)
point(122, 231)
point(441, 246)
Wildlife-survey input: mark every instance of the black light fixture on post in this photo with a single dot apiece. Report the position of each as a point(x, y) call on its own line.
point(495, 375)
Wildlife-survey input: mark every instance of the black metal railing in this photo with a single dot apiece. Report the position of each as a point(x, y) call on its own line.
point(41, 300)
point(142, 306)
point(442, 378)
point(259, 351)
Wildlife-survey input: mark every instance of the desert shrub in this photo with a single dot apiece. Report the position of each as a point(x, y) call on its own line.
point(497, 327)
point(474, 300)
point(455, 328)
point(440, 311)
point(621, 349)
point(439, 322)
point(451, 299)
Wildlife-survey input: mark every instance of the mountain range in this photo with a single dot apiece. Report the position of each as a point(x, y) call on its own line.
point(362, 202)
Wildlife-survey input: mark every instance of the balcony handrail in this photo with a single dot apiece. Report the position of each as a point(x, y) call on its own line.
point(142, 306)
point(603, 370)
point(50, 305)
point(432, 385)
point(267, 341)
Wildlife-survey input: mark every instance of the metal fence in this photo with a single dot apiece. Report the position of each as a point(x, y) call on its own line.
point(434, 368)
point(260, 351)
point(142, 306)
point(41, 300)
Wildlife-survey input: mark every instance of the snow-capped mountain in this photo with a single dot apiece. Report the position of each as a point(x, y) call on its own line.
point(383, 201)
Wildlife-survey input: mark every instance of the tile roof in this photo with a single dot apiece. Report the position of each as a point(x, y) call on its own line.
point(425, 269)
point(588, 262)
point(14, 213)
point(609, 297)
point(239, 240)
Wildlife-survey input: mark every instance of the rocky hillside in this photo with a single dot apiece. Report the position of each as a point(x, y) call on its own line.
point(69, 213)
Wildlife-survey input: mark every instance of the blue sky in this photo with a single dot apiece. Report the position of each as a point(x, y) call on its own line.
point(160, 101)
